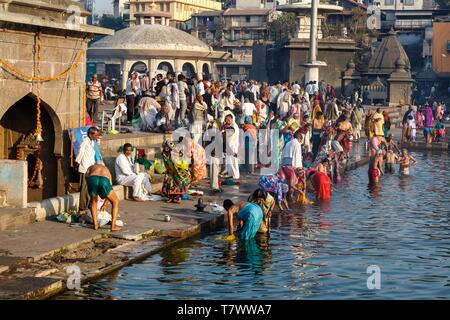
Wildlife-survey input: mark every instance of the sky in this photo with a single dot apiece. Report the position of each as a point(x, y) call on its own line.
point(103, 6)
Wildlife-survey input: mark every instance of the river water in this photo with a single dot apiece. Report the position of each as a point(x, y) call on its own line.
point(318, 252)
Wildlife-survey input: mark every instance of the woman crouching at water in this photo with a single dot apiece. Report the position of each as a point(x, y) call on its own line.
point(405, 161)
point(249, 217)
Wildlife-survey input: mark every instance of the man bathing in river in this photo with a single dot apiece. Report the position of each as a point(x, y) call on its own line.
point(249, 215)
point(99, 181)
point(405, 161)
point(375, 166)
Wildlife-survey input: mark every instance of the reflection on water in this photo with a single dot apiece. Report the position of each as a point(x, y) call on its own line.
point(318, 252)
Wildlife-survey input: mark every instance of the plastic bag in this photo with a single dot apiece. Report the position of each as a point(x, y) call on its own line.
point(217, 209)
point(103, 218)
point(159, 166)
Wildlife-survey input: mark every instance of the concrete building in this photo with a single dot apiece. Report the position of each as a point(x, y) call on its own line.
point(121, 9)
point(288, 59)
point(412, 20)
point(441, 55)
point(441, 47)
point(255, 4)
point(233, 30)
point(405, 14)
point(180, 10)
point(45, 36)
point(89, 6)
point(152, 46)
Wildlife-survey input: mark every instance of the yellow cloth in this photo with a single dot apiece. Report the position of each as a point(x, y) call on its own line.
point(226, 238)
point(316, 109)
point(378, 125)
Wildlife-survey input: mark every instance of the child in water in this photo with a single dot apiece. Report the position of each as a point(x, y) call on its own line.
point(405, 161)
point(391, 156)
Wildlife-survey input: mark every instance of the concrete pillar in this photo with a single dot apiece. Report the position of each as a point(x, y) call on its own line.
point(313, 32)
point(151, 66)
point(163, 21)
point(312, 67)
point(124, 74)
point(152, 20)
point(198, 69)
point(178, 66)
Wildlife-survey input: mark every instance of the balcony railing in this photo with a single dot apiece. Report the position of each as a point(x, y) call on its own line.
point(413, 24)
point(335, 2)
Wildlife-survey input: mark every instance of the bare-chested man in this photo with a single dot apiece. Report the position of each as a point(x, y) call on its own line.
point(405, 161)
point(345, 129)
point(375, 166)
point(99, 181)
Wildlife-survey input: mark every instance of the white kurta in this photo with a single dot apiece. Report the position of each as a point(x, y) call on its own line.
point(284, 104)
point(125, 176)
point(292, 154)
point(232, 148)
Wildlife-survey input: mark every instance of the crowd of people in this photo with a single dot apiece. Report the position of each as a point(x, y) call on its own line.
point(423, 118)
point(305, 131)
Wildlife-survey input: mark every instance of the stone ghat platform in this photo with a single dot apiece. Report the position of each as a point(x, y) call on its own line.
point(34, 258)
point(421, 145)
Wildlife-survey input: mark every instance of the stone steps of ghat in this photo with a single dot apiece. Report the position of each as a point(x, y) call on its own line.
point(15, 218)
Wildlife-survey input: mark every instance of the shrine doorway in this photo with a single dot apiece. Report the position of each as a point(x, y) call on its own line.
point(17, 142)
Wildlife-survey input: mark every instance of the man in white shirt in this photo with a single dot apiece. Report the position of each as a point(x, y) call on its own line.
point(254, 88)
point(314, 88)
point(292, 152)
point(86, 158)
point(296, 89)
point(183, 90)
point(200, 87)
point(232, 147)
point(126, 176)
point(248, 108)
point(274, 92)
point(309, 88)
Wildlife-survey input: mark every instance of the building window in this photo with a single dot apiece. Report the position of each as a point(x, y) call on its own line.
point(408, 2)
point(247, 19)
point(237, 34)
point(388, 2)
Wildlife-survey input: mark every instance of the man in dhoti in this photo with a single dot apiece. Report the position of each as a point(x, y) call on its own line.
point(126, 175)
point(292, 152)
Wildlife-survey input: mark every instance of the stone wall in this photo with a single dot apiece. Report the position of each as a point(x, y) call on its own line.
point(285, 62)
point(13, 180)
point(336, 62)
point(62, 99)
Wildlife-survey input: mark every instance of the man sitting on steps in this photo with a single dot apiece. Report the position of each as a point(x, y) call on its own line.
point(126, 176)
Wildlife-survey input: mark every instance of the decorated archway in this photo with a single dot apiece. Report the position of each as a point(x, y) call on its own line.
point(17, 141)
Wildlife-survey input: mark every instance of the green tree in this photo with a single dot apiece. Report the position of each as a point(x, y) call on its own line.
point(111, 22)
point(284, 26)
point(358, 24)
